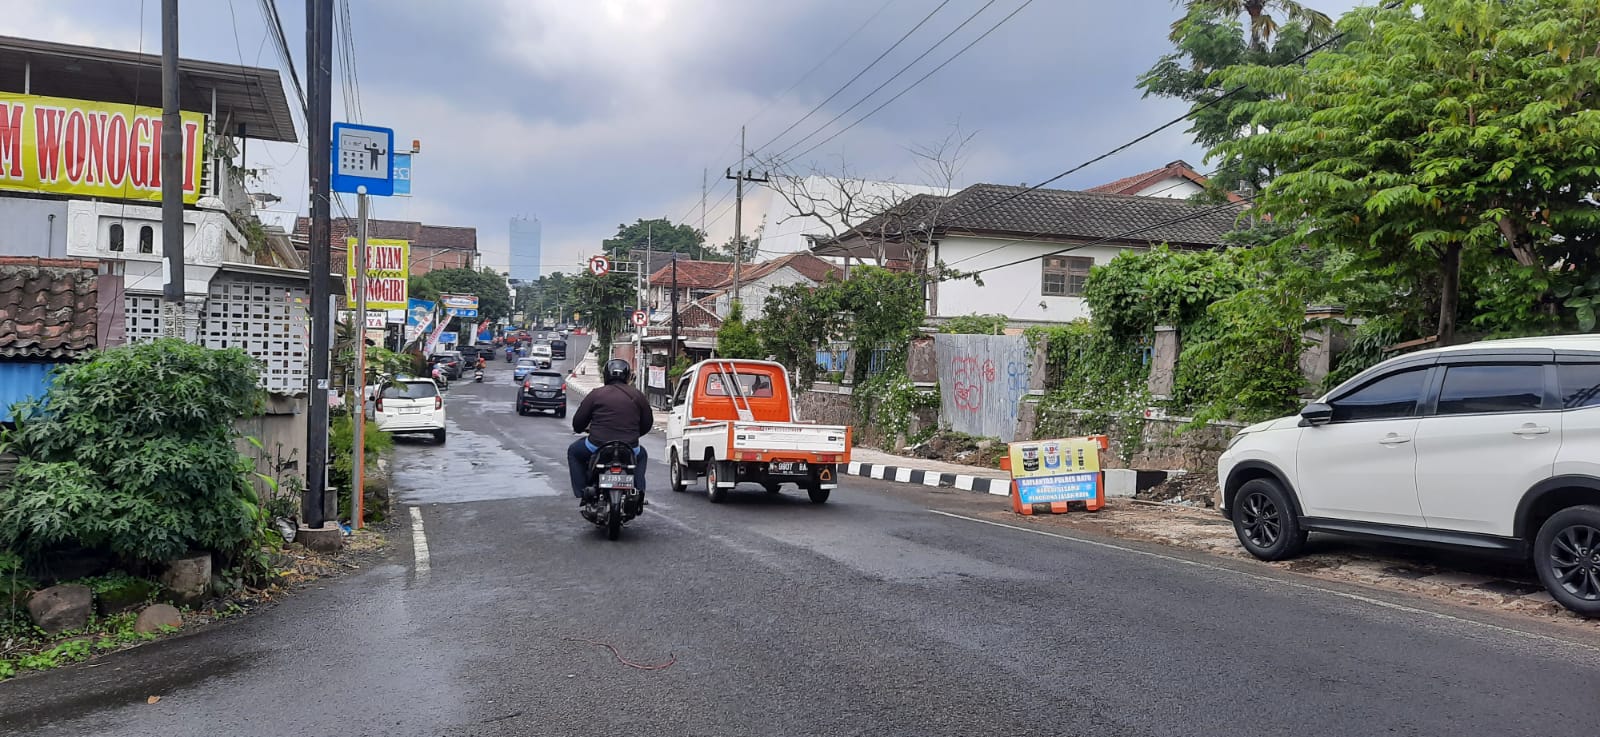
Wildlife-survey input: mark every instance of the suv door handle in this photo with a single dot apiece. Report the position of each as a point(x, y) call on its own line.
point(1393, 439)
point(1530, 430)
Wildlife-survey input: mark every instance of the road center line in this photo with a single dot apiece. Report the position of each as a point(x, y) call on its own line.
point(419, 544)
point(1283, 582)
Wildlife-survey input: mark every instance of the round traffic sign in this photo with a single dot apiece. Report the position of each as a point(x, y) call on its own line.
point(640, 318)
point(599, 265)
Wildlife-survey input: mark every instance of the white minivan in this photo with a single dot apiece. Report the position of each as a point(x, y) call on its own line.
point(1492, 447)
point(410, 406)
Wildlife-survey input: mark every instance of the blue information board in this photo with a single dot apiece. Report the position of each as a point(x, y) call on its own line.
point(363, 156)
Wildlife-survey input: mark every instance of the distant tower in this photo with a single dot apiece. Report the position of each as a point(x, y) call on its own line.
point(525, 249)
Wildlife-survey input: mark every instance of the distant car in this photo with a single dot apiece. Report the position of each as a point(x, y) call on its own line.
point(523, 367)
point(558, 349)
point(542, 349)
point(410, 406)
point(543, 391)
point(451, 361)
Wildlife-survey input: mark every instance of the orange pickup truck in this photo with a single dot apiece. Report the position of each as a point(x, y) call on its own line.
point(734, 421)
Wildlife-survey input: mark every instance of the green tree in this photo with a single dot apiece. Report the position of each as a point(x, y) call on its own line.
point(546, 301)
point(735, 339)
point(494, 297)
point(796, 321)
point(1259, 14)
point(660, 235)
point(1210, 37)
point(1443, 132)
point(605, 303)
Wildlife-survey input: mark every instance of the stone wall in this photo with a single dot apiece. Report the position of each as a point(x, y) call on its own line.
point(1157, 443)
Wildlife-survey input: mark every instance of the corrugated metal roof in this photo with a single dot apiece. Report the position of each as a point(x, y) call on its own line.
point(21, 380)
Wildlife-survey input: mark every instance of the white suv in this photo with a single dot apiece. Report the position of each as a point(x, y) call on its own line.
point(410, 406)
point(1491, 446)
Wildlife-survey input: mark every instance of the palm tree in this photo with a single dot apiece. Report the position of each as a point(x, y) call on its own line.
point(1262, 24)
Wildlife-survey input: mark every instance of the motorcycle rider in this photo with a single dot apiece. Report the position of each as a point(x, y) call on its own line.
point(614, 412)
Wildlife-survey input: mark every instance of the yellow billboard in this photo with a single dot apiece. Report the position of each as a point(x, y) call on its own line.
point(388, 264)
point(91, 149)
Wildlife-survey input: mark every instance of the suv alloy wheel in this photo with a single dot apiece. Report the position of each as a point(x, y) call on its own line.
point(1566, 554)
point(1265, 521)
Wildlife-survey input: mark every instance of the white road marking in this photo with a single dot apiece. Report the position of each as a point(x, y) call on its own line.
point(419, 543)
point(1293, 584)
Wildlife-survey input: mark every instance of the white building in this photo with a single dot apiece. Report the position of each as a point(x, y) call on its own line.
point(1032, 250)
point(757, 282)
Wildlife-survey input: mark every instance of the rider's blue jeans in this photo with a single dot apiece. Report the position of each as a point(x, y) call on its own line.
point(582, 451)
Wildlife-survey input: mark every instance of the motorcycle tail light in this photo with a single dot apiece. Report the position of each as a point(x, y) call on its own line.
point(616, 469)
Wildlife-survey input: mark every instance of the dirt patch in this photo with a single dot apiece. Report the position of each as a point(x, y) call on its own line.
point(1451, 576)
point(1189, 490)
point(950, 447)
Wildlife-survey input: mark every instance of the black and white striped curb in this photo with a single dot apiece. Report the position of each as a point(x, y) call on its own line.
point(1119, 482)
point(960, 481)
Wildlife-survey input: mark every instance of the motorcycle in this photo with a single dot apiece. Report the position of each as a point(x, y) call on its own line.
point(615, 501)
point(477, 375)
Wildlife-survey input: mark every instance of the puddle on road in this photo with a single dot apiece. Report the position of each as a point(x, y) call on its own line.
point(470, 467)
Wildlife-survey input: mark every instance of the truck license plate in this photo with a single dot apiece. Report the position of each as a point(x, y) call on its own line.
point(616, 481)
point(789, 467)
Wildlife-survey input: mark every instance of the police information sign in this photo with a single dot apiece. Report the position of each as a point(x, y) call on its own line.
point(1055, 472)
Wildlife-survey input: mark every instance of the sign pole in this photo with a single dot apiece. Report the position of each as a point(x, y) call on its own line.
point(359, 446)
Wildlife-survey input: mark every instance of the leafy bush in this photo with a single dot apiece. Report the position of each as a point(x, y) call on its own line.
point(975, 325)
point(1137, 291)
point(132, 453)
point(735, 339)
point(1097, 382)
point(341, 471)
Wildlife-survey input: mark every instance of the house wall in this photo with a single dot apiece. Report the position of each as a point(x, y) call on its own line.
point(207, 236)
point(1012, 291)
point(281, 430)
point(754, 294)
point(29, 228)
point(1176, 188)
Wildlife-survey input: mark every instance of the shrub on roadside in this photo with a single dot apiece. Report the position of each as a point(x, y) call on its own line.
point(132, 453)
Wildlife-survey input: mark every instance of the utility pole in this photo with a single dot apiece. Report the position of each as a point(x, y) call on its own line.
point(173, 319)
point(319, 158)
point(738, 212)
point(702, 204)
point(644, 292)
point(672, 350)
point(358, 445)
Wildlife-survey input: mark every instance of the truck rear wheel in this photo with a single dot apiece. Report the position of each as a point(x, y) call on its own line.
point(675, 473)
point(818, 494)
point(716, 471)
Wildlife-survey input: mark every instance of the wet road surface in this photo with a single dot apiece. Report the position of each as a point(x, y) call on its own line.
point(887, 611)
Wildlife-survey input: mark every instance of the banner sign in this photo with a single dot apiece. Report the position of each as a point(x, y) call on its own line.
point(459, 301)
point(419, 317)
point(1066, 470)
point(402, 175)
point(91, 149)
point(658, 377)
point(447, 337)
point(388, 264)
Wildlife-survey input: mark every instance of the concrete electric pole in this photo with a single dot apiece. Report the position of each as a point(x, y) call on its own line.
point(173, 318)
point(319, 69)
point(738, 211)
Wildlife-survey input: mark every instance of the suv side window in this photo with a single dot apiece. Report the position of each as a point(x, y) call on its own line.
point(1388, 398)
point(1580, 384)
point(1472, 389)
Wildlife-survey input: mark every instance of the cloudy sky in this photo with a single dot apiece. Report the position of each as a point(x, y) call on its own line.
point(590, 113)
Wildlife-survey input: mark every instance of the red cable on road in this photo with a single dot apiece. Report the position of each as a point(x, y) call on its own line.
point(672, 657)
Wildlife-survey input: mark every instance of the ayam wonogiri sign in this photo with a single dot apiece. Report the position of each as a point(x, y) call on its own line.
point(91, 149)
point(388, 263)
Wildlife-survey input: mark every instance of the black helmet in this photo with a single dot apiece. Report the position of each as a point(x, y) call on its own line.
point(618, 371)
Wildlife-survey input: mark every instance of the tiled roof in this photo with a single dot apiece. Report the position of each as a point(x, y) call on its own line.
point(1179, 169)
point(340, 230)
point(48, 307)
point(1067, 215)
point(809, 266)
point(693, 274)
point(697, 315)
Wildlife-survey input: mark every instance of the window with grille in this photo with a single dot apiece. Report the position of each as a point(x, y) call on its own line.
point(1064, 275)
point(141, 318)
point(269, 322)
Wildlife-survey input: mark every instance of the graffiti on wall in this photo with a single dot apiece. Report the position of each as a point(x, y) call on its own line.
point(982, 380)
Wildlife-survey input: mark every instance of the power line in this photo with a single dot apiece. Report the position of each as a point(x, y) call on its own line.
point(857, 76)
point(824, 60)
point(920, 80)
point(1302, 56)
point(269, 10)
point(892, 78)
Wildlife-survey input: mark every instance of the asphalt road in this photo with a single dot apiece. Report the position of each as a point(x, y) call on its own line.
point(887, 611)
